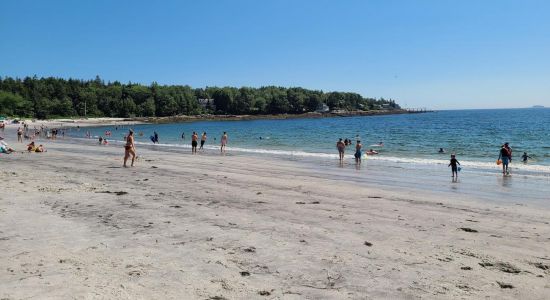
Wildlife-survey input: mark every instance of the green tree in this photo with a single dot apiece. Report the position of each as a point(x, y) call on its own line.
point(14, 105)
point(45, 97)
point(147, 108)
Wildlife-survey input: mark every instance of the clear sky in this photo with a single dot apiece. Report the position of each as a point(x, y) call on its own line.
point(424, 53)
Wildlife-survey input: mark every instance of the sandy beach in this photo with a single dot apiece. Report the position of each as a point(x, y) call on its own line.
point(75, 224)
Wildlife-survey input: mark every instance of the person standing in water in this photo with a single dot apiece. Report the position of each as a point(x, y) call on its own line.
point(223, 142)
point(203, 140)
point(183, 136)
point(156, 135)
point(341, 146)
point(194, 139)
point(505, 156)
point(129, 149)
point(454, 166)
point(358, 152)
point(525, 157)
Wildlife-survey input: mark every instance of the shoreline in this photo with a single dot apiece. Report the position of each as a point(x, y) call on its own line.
point(73, 123)
point(204, 226)
point(309, 115)
point(108, 121)
point(483, 183)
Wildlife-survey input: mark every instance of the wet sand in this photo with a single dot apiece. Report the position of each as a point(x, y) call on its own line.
point(75, 224)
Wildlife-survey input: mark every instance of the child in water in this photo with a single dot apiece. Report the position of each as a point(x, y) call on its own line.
point(454, 166)
point(525, 157)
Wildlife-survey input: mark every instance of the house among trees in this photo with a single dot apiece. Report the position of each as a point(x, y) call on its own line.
point(322, 108)
point(207, 103)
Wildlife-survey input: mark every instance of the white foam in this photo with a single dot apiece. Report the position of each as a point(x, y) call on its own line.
point(476, 165)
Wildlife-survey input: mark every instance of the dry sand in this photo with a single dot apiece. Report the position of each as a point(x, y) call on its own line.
point(74, 224)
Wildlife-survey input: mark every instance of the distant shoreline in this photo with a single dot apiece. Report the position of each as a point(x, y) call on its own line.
point(107, 121)
point(310, 115)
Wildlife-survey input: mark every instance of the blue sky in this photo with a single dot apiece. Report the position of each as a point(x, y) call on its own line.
point(440, 54)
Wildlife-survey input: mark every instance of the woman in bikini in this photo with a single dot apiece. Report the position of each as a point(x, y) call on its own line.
point(20, 135)
point(223, 142)
point(130, 148)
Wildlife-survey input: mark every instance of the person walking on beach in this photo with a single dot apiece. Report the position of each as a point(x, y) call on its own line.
point(20, 135)
point(358, 152)
point(223, 142)
point(525, 157)
point(341, 146)
point(454, 166)
point(194, 139)
point(129, 149)
point(505, 156)
point(203, 140)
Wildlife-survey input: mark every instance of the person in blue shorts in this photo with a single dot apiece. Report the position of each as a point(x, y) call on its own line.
point(505, 155)
point(358, 152)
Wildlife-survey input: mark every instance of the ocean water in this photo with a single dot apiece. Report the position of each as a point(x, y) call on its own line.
point(475, 136)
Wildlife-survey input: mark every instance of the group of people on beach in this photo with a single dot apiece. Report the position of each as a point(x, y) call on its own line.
point(33, 148)
point(342, 144)
point(130, 146)
point(30, 134)
point(27, 133)
point(504, 159)
point(195, 141)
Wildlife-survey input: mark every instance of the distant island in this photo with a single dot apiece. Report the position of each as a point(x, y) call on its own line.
point(538, 106)
point(51, 97)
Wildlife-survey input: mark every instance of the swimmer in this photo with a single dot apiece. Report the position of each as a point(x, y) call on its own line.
point(525, 157)
point(441, 150)
point(372, 152)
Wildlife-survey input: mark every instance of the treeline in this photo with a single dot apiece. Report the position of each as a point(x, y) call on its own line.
point(56, 97)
